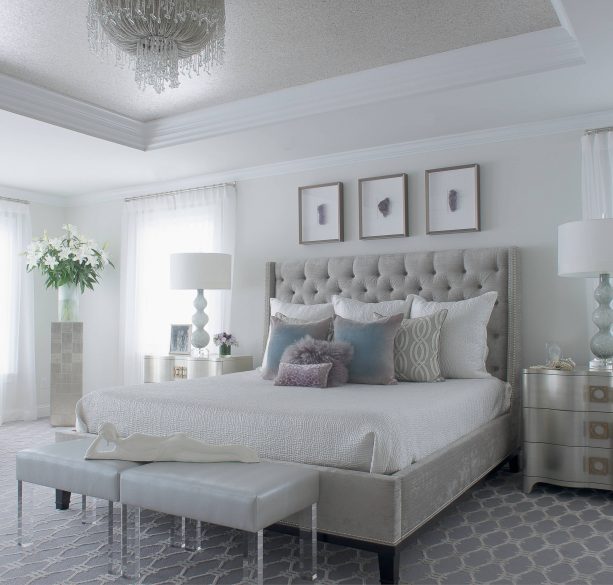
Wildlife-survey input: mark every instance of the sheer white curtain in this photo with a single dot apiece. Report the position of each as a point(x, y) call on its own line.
point(597, 175)
point(198, 220)
point(596, 191)
point(17, 365)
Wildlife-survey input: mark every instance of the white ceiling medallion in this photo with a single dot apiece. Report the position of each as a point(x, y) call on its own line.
point(159, 39)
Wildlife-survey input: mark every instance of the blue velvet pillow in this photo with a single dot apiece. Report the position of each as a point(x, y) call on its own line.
point(373, 348)
point(283, 334)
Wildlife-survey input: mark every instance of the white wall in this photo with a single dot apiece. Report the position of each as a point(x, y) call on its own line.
point(528, 187)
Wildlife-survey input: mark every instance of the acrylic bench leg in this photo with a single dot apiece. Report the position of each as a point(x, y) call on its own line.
point(130, 541)
point(253, 559)
point(24, 524)
point(308, 543)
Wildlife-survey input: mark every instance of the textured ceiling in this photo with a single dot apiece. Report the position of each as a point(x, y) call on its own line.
point(270, 45)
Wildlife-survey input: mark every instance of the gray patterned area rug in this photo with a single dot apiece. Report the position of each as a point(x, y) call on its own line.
point(494, 534)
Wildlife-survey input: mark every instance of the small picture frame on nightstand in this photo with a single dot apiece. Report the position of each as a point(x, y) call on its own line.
point(180, 339)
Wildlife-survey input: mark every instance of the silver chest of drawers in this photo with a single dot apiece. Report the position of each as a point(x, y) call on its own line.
point(568, 428)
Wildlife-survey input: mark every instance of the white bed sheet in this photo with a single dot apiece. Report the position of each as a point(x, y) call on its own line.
point(380, 429)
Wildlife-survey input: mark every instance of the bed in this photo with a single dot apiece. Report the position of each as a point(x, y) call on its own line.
point(390, 457)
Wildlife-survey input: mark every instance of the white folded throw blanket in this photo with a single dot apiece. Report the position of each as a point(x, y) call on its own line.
point(176, 447)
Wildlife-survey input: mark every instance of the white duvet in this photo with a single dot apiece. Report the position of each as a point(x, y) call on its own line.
point(380, 429)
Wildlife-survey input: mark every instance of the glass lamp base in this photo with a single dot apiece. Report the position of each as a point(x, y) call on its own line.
point(601, 364)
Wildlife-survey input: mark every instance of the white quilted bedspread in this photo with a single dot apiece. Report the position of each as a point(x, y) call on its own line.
point(380, 429)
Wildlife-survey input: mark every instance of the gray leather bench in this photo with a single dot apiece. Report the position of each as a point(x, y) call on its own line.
point(248, 497)
point(62, 466)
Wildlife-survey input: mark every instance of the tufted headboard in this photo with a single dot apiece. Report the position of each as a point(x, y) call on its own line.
point(449, 275)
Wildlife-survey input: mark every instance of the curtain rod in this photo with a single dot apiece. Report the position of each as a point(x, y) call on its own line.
point(151, 195)
point(13, 200)
point(598, 130)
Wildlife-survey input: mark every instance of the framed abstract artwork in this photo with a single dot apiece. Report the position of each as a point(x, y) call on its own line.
point(383, 207)
point(452, 200)
point(320, 213)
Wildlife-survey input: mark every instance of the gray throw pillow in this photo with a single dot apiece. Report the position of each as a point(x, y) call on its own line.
point(283, 334)
point(373, 348)
point(307, 375)
point(317, 351)
point(417, 348)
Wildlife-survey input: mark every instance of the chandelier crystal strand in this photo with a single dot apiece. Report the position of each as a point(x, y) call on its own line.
point(159, 39)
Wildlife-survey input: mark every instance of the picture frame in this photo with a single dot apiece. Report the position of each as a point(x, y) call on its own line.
point(383, 206)
point(320, 213)
point(180, 339)
point(453, 200)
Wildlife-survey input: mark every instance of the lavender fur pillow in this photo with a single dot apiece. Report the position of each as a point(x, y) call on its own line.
point(309, 375)
point(317, 351)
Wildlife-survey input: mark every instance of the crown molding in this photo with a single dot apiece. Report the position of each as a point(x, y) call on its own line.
point(516, 56)
point(54, 108)
point(33, 196)
point(449, 142)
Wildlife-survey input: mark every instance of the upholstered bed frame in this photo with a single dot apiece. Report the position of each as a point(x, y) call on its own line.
point(380, 512)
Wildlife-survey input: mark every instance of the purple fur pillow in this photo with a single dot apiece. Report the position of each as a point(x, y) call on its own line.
point(317, 351)
point(309, 375)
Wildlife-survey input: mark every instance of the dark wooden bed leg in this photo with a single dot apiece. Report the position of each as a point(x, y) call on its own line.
point(62, 500)
point(389, 566)
point(514, 465)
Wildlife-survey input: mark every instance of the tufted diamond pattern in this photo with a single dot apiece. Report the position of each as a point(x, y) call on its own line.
point(449, 275)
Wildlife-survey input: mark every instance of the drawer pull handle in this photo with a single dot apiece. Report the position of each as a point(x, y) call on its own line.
point(180, 372)
point(598, 466)
point(599, 430)
point(599, 393)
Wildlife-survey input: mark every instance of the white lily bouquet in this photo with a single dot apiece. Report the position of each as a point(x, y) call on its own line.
point(69, 262)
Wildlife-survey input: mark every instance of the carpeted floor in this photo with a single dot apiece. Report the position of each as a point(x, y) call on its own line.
point(494, 534)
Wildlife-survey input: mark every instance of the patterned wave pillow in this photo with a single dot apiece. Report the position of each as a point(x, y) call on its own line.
point(283, 334)
point(373, 348)
point(417, 349)
point(308, 375)
point(317, 351)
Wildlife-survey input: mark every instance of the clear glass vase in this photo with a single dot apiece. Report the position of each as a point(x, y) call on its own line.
point(225, 349)
point(68, 296)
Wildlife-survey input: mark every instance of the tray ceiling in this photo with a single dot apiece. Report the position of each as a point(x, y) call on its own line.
point(270, 45)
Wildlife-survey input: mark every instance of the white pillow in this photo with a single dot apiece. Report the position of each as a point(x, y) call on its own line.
point(305, 313)
point(463, 335)
point(360, 311)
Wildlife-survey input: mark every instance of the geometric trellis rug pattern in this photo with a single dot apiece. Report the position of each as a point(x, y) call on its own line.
point(493, 534)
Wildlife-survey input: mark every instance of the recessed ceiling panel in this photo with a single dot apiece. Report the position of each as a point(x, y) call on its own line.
point(270, 45)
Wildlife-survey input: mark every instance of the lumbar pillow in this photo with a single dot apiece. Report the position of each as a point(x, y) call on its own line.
point(304, 313)
point(417, 349)
point(360, 311)
point(373, 348)
point(309, 375)
point(283, 334)
point(463, 334)
point(316, 351)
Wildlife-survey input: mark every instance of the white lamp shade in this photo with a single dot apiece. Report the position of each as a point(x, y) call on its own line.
point(585, 248)
point(200, 271)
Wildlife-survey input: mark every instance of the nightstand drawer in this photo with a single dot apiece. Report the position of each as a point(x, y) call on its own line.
point(571, 464)
point(567, 392)
point(564, 427)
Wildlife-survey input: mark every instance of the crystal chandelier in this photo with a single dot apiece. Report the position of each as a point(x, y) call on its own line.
point(159, 39)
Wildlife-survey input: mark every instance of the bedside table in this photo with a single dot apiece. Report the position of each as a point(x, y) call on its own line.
point(184, 367)
point(568, 428)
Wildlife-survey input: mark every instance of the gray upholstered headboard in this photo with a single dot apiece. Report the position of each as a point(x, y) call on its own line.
point(449, 275)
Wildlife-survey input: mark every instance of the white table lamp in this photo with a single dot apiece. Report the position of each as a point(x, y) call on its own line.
point(200, 271)
point(585, 249)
